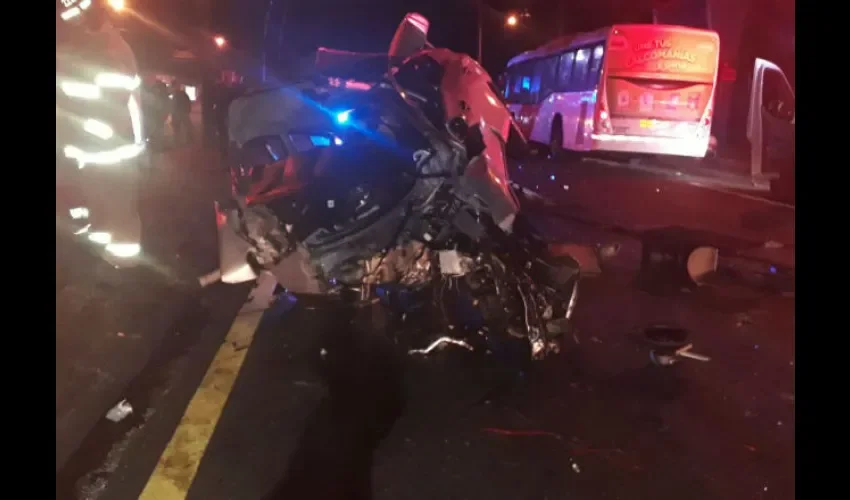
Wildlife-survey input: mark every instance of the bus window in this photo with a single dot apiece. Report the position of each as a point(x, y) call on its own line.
point(548, 76)
point(595, 65)
point(536, 77)
point(565, 69)
point(510, 78)
point(516, 80)
point(579, 77)
point(525, 74)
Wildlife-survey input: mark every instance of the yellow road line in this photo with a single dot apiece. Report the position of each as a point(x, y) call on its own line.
point(178, 464)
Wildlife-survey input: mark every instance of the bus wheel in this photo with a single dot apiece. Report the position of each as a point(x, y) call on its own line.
point(556, 141)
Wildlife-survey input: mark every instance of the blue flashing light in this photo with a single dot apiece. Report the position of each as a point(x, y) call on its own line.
point(343, 117)
point(320, 141)
point(552, 177)
point(337, 141)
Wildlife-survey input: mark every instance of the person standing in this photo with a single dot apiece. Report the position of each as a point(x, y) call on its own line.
point(225, 95)
point(156, 104)
point(181, 123)
point(209, 88)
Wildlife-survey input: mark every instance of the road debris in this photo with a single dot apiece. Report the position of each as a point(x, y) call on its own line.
point(666, 336)
point(521, 433)
point(587, 256)
point(669, 345)
point(575, 467)
point(669, 359)
point(685, 352)
point(120, 411)
point(210, 278)
point(702, 263)
point(661, 359)
point(743, 319)
point(439, 342)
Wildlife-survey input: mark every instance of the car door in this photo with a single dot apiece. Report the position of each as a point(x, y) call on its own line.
point(771, 122)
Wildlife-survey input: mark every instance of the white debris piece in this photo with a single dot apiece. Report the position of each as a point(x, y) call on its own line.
point(210, 278)
point(120, 411)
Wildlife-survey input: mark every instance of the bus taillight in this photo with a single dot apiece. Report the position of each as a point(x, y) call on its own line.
point(602, 123)
point(602, 118)
point(706, 117)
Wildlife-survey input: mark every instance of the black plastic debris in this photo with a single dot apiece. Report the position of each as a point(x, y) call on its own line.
point(669, 345)
point(666, 337)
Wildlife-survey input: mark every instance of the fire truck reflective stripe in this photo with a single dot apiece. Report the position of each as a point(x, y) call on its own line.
point(135, 119)
point(110, 157)
point(80, 90)
point(70, 13)
point(100, 238)
point(124, 250)
point(79, 213)
point(117, 81)
point(98, 129)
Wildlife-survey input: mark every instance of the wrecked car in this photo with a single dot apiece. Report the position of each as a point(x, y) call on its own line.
point(404, 185)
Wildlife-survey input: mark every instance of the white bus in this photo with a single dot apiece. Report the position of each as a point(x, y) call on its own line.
point(643, 89)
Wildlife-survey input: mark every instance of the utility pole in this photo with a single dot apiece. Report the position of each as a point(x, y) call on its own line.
point(561, 13)
point(480, 30)
point(265, 52)
point(278, 10)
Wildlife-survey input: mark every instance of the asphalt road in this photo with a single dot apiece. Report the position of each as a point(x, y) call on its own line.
point(227, 412)
point(105, 333)
point(631, 201)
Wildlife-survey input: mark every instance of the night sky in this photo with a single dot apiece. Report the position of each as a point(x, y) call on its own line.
point(299, 26)
point(368, 25)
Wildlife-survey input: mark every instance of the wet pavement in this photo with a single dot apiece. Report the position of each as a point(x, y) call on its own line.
point(597, 421)
point(631, 202)
point(106, 330)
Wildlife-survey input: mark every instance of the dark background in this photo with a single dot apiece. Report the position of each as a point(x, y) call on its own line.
point(297, 27)
point(747, 28)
